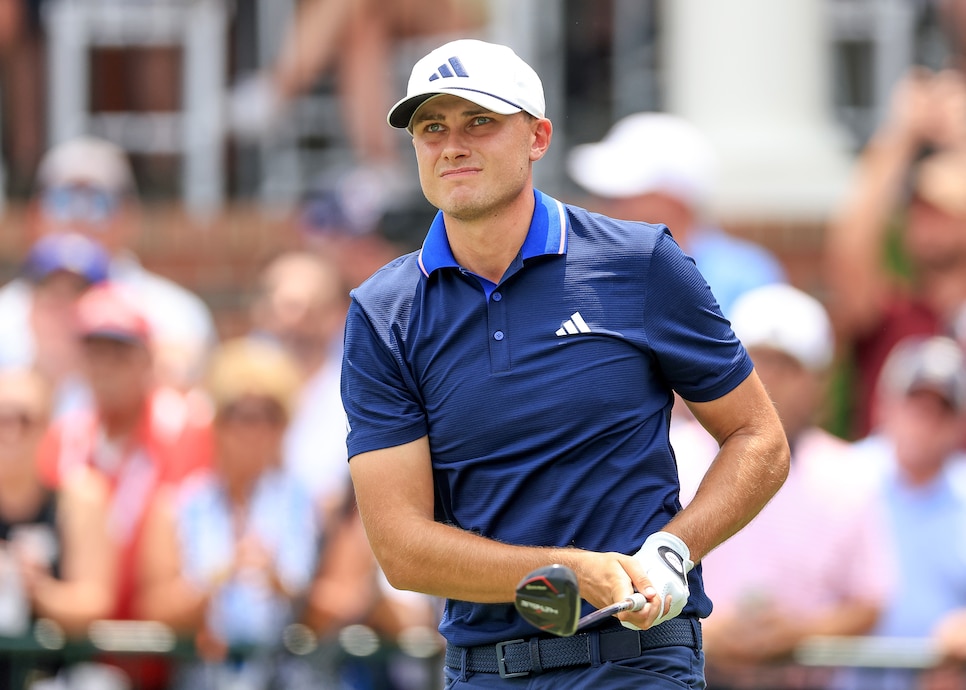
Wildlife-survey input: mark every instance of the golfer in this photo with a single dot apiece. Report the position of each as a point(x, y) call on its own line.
point(509, 388)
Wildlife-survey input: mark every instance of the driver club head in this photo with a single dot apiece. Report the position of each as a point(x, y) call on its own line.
point(549, 599)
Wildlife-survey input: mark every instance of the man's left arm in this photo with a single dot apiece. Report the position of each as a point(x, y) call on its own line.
point(751, 465)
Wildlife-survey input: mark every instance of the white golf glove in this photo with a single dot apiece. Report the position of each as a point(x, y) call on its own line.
point(667, 562)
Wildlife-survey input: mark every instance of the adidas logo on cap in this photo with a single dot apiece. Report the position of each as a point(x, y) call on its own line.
point(488, 74)
point(444, 71)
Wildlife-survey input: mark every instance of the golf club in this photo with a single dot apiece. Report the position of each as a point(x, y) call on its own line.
point(549, 599)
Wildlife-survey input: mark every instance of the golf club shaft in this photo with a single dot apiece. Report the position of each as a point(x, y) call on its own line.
point(635, 602)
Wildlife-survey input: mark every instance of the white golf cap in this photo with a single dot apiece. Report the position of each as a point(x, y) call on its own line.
point(919, 363)
point(784, 318)
point(487, 74)
point(645, 153)
point(87, 160)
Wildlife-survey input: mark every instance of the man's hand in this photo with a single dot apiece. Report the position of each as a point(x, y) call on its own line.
point(667, 561)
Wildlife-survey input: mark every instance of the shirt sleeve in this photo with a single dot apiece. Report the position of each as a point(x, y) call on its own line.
point(382, 407)
point(697, 352)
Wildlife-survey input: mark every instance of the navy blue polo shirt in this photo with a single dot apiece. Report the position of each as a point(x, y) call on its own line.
point(546, 398)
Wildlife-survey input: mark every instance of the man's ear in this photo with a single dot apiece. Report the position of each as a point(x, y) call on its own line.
point(542, 134)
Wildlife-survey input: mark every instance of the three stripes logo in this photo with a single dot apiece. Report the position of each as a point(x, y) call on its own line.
point(575, 324)
point(451, 68)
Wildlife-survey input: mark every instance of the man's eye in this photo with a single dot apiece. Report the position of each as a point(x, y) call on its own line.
point(480, 120)
point(434, 127)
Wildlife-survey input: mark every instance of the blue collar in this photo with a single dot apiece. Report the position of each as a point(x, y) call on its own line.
point(547, 235)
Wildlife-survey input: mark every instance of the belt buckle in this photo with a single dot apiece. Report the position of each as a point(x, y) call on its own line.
point(501, 660)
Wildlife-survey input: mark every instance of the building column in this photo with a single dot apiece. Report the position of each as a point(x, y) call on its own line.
point(755, 76)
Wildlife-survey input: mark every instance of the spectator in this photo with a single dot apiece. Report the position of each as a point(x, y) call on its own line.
point(920, 147)
point(301, 306)
point(136, 435)
point(659, 168)
point(37, 328)
point(347, 226)
point(914, 454)
point(56, 555)
point(230, 555)
point(825, 509)
point(86, 185)
point(350, 588)
point(357, 39)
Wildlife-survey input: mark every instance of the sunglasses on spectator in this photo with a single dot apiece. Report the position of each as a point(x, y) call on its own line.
point(19, 419)
point(80, 203)
point(253, 413)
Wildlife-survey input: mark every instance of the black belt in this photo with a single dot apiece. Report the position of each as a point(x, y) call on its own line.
point(523, 657)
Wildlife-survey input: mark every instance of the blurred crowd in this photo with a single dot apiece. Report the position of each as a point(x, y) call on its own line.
point(153, 470)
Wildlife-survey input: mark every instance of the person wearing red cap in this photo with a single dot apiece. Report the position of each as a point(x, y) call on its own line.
point(139, 435)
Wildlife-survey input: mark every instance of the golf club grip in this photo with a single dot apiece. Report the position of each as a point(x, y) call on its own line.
point(634, 602)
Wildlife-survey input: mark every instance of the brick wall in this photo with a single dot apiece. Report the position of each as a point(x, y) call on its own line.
point(219, 258)
point(798, 244)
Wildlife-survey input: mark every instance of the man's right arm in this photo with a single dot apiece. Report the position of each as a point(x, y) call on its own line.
point(394, 491)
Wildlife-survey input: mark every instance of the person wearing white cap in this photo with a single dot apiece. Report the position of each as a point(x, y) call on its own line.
point(915, 453)
point(660, 168)
point(509, 388)
point(822, 559)
point(86, 186)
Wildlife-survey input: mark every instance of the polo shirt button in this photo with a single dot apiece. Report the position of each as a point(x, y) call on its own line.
point(497, 296)
point(498, 335)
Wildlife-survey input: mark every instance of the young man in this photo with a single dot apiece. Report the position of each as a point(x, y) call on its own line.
point(509, 388)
